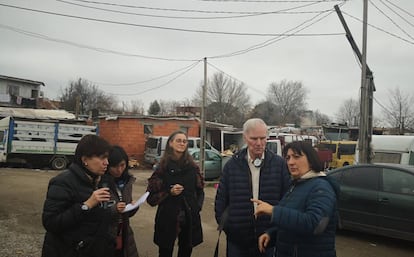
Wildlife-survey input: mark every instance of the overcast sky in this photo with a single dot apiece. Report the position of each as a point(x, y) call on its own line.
point(153, 50)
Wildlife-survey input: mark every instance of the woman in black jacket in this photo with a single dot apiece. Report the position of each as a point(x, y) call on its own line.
point(120, 183)
point(176, 186)
point(76, 213)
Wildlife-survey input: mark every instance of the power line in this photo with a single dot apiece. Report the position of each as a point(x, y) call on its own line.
point(383, 107)
point(98, 49)
point(234, 78)
point(380, 29)
point(241, 14)
point(390, 19)
point(148, 80)
point(162, 85)
point(401, 9)
point(273, 1)
point(161, 27)
point(276, 39)
point(396, 13)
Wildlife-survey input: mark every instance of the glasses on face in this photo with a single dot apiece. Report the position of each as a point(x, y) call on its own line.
point(181, 141)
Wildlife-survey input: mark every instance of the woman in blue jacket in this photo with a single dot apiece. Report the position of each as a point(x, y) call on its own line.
point(306, 217)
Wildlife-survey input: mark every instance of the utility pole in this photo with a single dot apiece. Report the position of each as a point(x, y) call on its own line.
point(77, 105)
point(203, 120)
point(367, 89)
point(364, 132)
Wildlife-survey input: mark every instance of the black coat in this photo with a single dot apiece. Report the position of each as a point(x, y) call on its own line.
point(129, 246)
point(190, 201)
point(67, 226)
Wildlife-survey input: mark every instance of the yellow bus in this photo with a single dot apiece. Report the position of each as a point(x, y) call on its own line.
point(343, 152)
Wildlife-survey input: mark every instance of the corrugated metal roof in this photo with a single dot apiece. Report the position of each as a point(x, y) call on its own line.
point(36, 113)
point(22, 80)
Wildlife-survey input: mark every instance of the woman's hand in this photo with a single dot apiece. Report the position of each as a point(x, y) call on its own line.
point(120, 206)
point(264, 240)
point(262, 208)
point(98, 196)
point(176, 189)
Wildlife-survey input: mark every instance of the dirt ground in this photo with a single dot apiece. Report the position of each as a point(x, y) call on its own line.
point(22, 192)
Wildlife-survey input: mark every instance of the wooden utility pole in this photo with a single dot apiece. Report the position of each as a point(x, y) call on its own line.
point(203, 120)
point(367, 89)
point(365, 133)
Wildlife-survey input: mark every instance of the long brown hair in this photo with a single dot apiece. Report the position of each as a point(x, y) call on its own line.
point(185, 159)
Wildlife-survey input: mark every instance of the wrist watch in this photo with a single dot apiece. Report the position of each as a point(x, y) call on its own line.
point(84, 207)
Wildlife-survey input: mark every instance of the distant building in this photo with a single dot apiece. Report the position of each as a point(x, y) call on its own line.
point(19, 92)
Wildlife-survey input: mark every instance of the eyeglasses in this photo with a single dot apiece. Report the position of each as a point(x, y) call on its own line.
point(181, 141)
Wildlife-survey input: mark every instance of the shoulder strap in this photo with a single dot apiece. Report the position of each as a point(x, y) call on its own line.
point(223, 219)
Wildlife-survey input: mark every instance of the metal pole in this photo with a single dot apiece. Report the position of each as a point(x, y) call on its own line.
point(203, 120)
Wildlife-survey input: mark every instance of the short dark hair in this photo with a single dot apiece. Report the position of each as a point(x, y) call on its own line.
point(305, 148)
point(89, 146)
point(117, 154)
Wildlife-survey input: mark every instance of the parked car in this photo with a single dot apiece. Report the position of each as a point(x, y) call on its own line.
point(212, 162)
point(155, 147)
point(377, 198)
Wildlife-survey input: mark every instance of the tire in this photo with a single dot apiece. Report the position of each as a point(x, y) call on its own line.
point(59, 163)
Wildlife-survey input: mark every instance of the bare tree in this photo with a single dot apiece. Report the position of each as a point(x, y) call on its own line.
point(321, 118)
point(289, 97)
point(399, 112)
point(82, 96)
point(349, 112)
point(169, 107)
point(226, 100)
point(267, 111)
point(135, 106)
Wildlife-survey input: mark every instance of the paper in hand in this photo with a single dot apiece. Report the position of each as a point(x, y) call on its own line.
point(141, 200)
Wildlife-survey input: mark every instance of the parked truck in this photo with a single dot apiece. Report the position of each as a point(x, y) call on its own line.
point(392, 149)
point(38, 143)
point(335, 154)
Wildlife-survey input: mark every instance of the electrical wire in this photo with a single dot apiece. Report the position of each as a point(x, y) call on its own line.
point(98, 49)
point(286, 34)
point(379, 29)
point(145, 81)
point(383, 107)
point(248, 14)
point(390, 19)
point(159, 27)
point(396, 13)
point(161, 85)
point(235, 79)
point(401, 9)
point(200, 11)
point(271, 1)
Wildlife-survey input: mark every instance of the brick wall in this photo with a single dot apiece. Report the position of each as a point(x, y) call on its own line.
point(129, 132)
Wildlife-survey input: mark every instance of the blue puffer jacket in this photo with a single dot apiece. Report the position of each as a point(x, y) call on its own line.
point(235, 192)
point(305, 219)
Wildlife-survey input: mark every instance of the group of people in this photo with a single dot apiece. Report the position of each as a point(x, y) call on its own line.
point(268, 205)
point(83, 213)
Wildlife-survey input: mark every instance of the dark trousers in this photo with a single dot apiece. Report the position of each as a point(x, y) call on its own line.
point(237, 250)
point(182, 251)
point(184, 248)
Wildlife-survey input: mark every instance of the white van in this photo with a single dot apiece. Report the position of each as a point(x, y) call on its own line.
point(155, 147)
point(393, 149)
point(275, 146)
